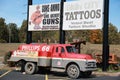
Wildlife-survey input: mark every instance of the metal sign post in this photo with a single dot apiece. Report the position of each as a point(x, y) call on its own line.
point(105, 55)
point(29, 33)
point(62, 32)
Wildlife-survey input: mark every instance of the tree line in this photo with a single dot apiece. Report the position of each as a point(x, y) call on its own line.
point(11, 33)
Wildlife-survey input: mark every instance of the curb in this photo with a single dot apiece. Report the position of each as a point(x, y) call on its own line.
point(106, 73)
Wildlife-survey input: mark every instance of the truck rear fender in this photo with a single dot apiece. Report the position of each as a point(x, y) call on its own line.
point(22, 60)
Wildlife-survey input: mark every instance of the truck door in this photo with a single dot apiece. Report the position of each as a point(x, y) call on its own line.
point(57, 58)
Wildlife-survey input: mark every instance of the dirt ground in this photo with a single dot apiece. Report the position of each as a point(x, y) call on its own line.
point(6, 47)
point(106, 73)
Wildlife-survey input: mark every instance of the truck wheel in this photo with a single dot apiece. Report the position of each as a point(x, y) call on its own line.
point(86, 74)
point(115, 67)
point(73, 71)
point(30, 68)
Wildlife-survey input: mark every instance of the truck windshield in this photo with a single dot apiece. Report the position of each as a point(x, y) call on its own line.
point(71, 49)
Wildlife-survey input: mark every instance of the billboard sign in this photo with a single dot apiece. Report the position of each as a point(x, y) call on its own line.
point(83, 15)
point(44, 17)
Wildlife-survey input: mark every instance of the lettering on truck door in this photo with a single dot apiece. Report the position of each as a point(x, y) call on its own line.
point(57, 59)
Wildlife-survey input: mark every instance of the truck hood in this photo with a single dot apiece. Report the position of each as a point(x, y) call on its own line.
point(81, 56)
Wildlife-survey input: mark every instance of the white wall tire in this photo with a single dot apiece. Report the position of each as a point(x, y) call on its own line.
point(30, 68)
point(73, 71)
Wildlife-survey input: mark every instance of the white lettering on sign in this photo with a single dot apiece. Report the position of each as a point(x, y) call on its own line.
point(28, 47)
point(20, 53)
point(46, 48)
point(25, 53)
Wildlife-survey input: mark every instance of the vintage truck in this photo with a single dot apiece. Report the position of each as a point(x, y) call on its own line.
point(55, 57)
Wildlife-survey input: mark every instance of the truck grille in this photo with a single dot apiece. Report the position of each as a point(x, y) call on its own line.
point(91, 64)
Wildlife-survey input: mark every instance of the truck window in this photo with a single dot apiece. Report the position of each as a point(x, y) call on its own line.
point(57, 50)
point(62, 50)
point(71, 49)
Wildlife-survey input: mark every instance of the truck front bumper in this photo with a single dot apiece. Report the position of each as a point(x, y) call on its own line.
point(89, 66)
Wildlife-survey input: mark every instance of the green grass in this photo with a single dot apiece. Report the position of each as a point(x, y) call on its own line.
point(109, 70)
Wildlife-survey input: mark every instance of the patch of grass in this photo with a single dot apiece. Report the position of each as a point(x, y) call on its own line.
point(109, 70)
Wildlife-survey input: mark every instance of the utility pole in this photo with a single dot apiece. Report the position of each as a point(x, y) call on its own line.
point(29, 33)
point(105, 55)
point(62, 33)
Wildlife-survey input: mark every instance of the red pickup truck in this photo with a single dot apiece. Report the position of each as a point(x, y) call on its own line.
point(55, 57)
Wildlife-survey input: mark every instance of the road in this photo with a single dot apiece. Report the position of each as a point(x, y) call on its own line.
point(16, 75)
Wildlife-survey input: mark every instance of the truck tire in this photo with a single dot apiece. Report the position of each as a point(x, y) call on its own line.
point(115, 67)
point(86, 74)
point(30, 68)
point(73, 71)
